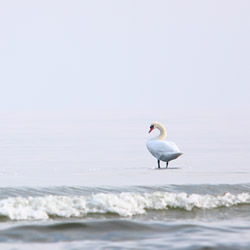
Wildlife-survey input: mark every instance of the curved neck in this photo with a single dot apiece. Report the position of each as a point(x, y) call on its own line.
point(162, 134)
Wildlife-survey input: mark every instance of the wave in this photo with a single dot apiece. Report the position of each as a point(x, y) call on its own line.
point(123, 204)
point(114, 230)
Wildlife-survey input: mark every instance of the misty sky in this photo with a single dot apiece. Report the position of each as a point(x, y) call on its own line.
point(124, 55)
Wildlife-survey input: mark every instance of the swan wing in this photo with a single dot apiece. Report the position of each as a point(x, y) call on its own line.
point(159, 148)
point(172, 145)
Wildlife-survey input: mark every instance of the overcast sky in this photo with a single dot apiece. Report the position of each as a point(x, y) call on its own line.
point(124, 55)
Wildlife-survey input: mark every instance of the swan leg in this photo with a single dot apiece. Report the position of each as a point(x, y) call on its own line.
point(159, 164)
point(167, 164)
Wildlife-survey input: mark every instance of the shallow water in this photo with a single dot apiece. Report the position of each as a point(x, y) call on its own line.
point(77, 182)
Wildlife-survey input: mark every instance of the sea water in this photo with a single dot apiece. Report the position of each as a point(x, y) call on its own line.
point(87, 181)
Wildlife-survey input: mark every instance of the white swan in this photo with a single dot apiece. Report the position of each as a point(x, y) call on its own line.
point(160, 149)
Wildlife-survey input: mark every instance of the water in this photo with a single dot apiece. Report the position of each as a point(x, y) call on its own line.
point(75, 181)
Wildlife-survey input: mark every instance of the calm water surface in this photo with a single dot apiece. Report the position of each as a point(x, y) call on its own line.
point(80, 182)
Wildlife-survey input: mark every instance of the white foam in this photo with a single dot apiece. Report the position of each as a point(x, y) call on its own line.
point(122, 204)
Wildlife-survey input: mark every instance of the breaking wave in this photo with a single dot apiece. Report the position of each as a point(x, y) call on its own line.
point(123, 204)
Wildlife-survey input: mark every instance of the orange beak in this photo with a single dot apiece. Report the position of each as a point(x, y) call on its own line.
point(150, 129)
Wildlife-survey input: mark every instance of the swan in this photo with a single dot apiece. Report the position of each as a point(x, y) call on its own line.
point(160, 149)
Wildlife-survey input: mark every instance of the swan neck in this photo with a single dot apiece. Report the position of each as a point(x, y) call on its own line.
point(162, 134)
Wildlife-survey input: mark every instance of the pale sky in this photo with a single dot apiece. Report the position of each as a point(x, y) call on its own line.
point(124, 55)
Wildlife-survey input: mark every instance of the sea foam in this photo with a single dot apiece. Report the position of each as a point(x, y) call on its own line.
point(123, 204)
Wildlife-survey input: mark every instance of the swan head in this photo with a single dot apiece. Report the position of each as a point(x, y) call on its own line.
point(155, 125)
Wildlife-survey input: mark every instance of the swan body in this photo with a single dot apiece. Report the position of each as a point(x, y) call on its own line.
point(162, 150)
